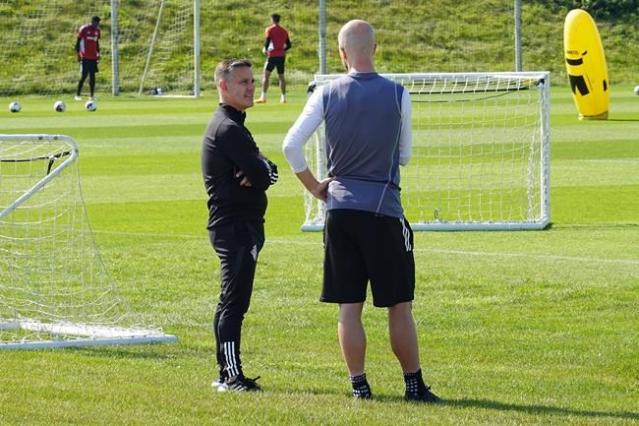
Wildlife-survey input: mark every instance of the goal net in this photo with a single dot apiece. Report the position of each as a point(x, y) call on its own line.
point(480, 155)
point(153, 42)
point(170, 66)
point(54, 288)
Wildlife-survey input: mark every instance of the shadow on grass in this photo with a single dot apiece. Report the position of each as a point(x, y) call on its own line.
point(533, 409)
point(538, 409)
point(623, 119)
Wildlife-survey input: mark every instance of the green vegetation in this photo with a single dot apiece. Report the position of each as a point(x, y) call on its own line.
point(613, 10)
point(515, 327)
point(438, 35)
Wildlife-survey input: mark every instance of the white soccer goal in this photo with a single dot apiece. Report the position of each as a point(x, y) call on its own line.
point(176, 34)
point(54, 288)
point(481, 152)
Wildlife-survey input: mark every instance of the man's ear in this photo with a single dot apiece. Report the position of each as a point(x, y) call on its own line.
point(342, 53)
point(223, 86)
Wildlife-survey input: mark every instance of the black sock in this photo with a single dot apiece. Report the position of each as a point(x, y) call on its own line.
point(361, 388)
point(414, 382)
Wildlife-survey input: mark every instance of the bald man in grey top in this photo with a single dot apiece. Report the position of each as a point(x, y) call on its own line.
point(367, 238)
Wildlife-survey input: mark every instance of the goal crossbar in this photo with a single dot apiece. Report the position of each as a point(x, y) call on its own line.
point(71, 155)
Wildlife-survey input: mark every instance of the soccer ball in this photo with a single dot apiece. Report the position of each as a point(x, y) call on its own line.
point(15, 106)
point(59, 106)
point(91, 106)
point(637, 90)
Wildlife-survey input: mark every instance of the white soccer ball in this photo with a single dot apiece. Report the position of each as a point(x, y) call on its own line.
point(637, 90)
point(59, 106)
point(15, 106)
point(91, 106)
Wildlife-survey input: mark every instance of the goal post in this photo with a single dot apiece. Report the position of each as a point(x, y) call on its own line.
point(54, 288)
point(480, 153)
point(164, 73)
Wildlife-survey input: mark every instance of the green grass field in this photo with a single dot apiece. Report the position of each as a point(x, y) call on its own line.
point(514, 327)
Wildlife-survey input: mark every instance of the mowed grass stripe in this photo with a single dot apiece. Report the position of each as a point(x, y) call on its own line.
point(141, 164)
point(124, 188)
point(621, 145)
point(594, 172)
point(188, 216)
point(137, 128)
point(596, 204)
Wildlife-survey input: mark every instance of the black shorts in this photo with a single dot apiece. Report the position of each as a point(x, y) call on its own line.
point(277, 61)
point(360, 246)
point(89, 66)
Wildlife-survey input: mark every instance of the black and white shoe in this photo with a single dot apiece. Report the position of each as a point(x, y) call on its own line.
point(240, 384)
point(422, 395)
point(361, 388)
point(362, 394)
point(219, 381)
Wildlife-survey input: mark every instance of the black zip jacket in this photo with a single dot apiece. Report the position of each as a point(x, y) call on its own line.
point(228, 148)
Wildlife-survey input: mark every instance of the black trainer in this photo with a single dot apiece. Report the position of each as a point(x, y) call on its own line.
point(362, 392)
point(422, 395)
point(240, 384)
point(361, 388)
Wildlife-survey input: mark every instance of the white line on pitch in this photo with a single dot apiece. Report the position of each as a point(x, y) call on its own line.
point(530, 255)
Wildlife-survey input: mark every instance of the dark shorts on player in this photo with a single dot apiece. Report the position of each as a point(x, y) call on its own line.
point(361, 246)
point(89, 66)
point(277, 61)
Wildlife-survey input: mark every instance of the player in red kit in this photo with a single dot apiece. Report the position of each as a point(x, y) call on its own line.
point(275, 46)
point(88, 48)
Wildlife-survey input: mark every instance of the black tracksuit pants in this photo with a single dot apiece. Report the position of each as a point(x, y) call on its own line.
point(237, 244)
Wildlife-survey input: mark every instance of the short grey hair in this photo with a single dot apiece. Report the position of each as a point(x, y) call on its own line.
point(224, 68)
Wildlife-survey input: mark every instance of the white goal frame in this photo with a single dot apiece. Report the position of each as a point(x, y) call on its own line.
point(538, 197)
point(62, 333)
point(196, 51)
point(84, 335)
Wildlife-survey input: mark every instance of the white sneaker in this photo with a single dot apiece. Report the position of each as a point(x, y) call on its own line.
point(77, 98)
point(217, 384)
point(240, 384)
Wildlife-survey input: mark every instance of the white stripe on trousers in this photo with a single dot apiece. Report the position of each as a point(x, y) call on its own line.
point(229, 355)
point(406, 233)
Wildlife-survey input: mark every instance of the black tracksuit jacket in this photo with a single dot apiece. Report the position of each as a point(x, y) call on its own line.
point(229, 148)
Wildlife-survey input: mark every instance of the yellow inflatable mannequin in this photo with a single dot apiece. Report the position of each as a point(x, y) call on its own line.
point(586, 66)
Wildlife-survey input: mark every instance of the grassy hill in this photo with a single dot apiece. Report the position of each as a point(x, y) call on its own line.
point(438, 35)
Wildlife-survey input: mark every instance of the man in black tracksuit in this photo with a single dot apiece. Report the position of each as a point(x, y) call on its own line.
point(236, 176)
